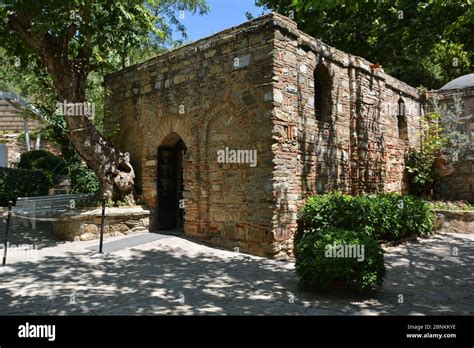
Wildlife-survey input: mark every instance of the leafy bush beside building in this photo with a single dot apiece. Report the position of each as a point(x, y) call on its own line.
point(16, 183)
point(386, 216)
point(354, 223)
point(43, 160)
point(338, 255)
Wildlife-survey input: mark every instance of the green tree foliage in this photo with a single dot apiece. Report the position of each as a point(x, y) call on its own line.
point(454, 122)
point(53, 50)
point(424, 43)
point(421, 162)
point(110, 30)
point(444, 141)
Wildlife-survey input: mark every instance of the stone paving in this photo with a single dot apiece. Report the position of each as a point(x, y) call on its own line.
point(176, 276)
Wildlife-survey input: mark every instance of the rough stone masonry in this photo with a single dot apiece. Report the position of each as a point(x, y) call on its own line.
point(319, 119)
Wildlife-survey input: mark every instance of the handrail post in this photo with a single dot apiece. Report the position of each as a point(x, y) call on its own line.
point(5, 245)
point(33, 215)
point(102, 219)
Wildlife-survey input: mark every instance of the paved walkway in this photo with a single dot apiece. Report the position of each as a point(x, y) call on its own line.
point(175, 276)
point(127, 242)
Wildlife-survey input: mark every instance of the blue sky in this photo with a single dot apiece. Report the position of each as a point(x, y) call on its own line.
point(223, 14)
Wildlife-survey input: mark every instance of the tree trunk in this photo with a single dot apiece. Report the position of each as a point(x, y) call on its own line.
point(112, 168)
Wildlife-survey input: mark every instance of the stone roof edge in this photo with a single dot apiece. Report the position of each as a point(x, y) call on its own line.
point(331, 52)
point(274, 19)
point(201, 44)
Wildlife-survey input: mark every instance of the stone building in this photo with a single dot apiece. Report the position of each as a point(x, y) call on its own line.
point(13, 126)
point(228, 135)
point(460, 184)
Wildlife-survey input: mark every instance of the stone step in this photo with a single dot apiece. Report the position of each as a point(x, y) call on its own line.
point(61, 177)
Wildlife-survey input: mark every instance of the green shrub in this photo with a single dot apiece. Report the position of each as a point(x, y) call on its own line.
point(390, 216)
point(320, 261)
point(83, 179)
point(421, 172)
point(44, 160)
point(16, 183)
point(420, 164)
point(416, 218)
point(384, 216)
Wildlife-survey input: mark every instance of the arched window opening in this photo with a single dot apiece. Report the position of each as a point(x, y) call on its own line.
point(402, 120)
point(322, 93)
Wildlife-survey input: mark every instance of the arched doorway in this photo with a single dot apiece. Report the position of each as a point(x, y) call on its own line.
point(170, 184)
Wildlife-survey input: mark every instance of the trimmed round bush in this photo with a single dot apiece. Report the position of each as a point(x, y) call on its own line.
point(16, 183)
point(323, 211)
point(333, 255)
point(44, 160)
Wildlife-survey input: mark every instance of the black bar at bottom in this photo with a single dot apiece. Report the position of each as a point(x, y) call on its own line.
point(242, 330)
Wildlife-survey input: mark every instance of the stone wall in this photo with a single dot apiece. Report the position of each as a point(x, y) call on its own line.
point(213, 94)
point(16, 146)
point(84, 224)
point(460, 184)
point(455, 221)
point(252, 88)
point(356, 148)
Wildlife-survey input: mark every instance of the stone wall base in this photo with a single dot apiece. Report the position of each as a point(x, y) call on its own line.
point(84, 224)
point(273, 250)
point(455, 221)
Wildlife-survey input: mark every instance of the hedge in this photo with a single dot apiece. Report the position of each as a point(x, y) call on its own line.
point(16, 183)
point(386, 216)
point(335, 219)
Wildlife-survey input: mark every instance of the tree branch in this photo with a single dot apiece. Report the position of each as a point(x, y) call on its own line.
point(22, 27)
point(67, 36)
point(43, 45)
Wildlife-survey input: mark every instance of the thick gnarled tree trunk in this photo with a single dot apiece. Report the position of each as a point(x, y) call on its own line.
point(113, 169)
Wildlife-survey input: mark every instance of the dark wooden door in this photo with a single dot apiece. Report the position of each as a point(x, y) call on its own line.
point(170, 187)
point(167, 188)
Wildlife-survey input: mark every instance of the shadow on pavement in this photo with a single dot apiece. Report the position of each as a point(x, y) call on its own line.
point(168, 280)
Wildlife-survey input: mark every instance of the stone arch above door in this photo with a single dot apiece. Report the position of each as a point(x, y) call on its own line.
point(229, 106)
point(155, 132)
point(179, 124)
